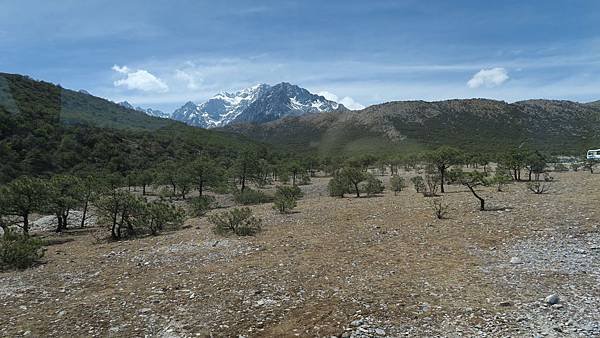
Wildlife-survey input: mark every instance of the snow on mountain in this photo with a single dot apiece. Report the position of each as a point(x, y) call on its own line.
point(257, 104)
point(147, 111)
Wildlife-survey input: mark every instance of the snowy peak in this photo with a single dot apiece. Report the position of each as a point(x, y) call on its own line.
point(257, 104)
point(147, 111)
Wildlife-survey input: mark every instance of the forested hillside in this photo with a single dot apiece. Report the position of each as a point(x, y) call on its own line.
point(47, 129)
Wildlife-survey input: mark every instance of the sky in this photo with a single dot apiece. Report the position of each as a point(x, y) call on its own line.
point(161, 54)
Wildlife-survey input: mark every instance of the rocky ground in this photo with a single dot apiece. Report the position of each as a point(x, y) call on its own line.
point(353, 267)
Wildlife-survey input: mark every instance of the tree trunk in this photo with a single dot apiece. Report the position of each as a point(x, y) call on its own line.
point(357, 190)
point(84, 214)
point(481, 200)
point(144, 189)
point(59, 227)
point(200, 188)
point(442, 172)
point(26, 224)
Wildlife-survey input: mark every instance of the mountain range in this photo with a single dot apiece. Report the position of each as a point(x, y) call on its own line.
point(258, 104)
point(293, 119)
point(147, 111)
point(561, 127)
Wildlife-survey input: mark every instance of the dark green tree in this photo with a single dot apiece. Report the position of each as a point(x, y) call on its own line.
point(443, 158)
point(24, 196)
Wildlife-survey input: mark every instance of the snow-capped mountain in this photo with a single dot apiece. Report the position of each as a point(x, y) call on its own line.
point(257, 104)
point(147, 111)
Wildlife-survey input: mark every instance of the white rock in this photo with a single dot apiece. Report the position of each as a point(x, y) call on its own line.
point(515, 260)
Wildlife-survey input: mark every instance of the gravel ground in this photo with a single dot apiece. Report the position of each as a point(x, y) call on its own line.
point(353, 267)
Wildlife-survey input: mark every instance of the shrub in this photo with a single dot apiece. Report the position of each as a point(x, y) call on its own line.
point(538, 187)
point(397, 183)
point(440, 209)
point(250, 197)
point(338, 186)
point(128, 215)
point(286, 197)
point(237, 221)
point(419, 183)
point(575, 166)
point(157, 216)
point(201, 205)
point(500, 179)
point(373, 185)
point(19, 251)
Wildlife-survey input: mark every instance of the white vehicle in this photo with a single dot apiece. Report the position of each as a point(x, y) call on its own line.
point(593, 154)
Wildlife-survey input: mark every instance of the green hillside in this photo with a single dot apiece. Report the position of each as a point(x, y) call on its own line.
point(46, 129)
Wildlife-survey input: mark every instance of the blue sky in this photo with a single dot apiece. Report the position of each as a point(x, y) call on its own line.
point(163, 53)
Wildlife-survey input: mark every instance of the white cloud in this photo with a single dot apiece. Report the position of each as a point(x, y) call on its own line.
point(347, 101)
point(190, 79)
point(492, 77)
point(139, 80)
point(122, 70)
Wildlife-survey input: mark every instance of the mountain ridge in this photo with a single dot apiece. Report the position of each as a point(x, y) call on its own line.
point(474, 124)
point(257, 104)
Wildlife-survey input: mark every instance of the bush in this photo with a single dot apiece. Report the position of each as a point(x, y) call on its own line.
point(238, 221)
point(201, 205)
point(373, 185)
point(157, 216)
point(19, 251)
point(128, 215)
point(440, 209)
point(397, 183)
point(500, 179)
point(251, 197)
point(338, 186)
point(286, 197)
point(419, 183)
point(538, 187)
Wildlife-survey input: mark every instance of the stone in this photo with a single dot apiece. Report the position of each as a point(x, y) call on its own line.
point(380, 332)
point(552, 299)
point(357, 322)
point(515, 260)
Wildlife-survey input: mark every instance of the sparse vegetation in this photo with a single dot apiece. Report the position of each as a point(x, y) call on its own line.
point(19, 251)
point(286, 198)
point(397, 184)
point(372, 185)
point(338, 186)
point(418, 183)
point(236, 221)
point(202, 204)
point(439, 207)
point(538, 187)
point(251, 197)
